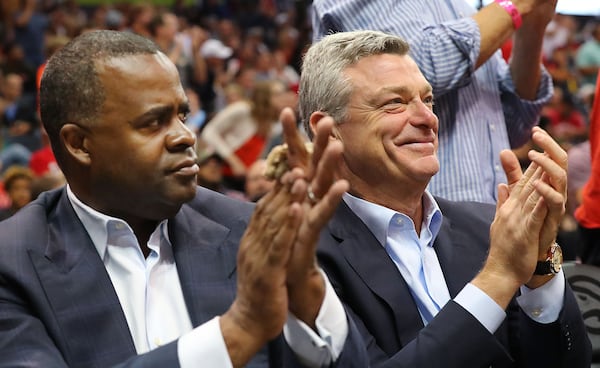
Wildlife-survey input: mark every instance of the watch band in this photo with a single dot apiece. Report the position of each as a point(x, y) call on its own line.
point(512, 10)
point(543, 268)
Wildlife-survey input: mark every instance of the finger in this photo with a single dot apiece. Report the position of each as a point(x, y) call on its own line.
point(321, 139)
point(271, 209)
point(326, 169)
point(555, 173)
point(502, 195)
point(525, 186)
point(542, 139)
point(537, 216)
point(554, 200)
point(511, 166)
point(322, 211)
point(283, 241)
point(297, 155)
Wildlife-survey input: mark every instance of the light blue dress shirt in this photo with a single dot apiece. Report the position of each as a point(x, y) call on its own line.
point(479, 111)
point(417, 262)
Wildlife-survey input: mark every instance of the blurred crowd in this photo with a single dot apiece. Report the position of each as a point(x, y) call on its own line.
point(239, 63)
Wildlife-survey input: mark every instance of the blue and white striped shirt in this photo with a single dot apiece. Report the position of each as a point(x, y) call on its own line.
point(479, 111)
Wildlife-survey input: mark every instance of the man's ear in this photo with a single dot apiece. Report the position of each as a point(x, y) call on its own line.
point(315, 117)
point(75, 141)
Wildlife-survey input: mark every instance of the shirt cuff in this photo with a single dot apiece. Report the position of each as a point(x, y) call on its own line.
point(543, 304)
point(204, 346)
point(481, 306)
point(317, 350)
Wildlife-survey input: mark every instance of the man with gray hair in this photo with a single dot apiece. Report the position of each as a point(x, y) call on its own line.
point(132, 265)
point(431, 282)
point(484, 104)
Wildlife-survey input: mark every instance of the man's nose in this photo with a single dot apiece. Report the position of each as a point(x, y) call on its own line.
point(180, 136)
point(423, 115)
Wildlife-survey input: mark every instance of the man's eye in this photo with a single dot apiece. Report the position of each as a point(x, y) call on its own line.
point(394, 105)
point(429, 101)
point(183, 115)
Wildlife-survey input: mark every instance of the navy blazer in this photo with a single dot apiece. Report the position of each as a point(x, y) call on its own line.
point(382, 306)
point(58, 307)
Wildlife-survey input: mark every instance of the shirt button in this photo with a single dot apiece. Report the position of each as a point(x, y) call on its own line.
point(497, 167)
point(157, 341)
point(399, 221)
point(536, 312)
point(119, 226)
point(492, 127)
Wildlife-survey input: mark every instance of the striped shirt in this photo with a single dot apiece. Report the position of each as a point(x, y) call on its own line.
point(479, 111)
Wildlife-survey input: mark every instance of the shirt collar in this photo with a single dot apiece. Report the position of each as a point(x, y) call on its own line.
point(377, 217)
point(99, 225)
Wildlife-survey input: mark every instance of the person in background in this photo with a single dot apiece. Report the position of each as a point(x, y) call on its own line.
point(432, 282)
point(257, 184)
point(240, 132)
point(587, 214)
point(132, 264)
point(17, 182)
point(588, 57)
point(483, 104)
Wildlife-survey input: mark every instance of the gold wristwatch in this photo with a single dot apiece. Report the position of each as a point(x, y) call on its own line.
point(553, 262)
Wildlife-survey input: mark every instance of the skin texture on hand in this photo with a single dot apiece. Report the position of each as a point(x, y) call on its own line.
point(528, 212)
point(277, 268)
point(306, 288)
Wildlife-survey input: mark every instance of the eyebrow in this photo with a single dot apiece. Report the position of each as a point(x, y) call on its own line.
point(399, 90)
point(160, 111)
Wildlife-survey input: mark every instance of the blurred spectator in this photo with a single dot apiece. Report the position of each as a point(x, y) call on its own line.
point(587, 214)
point(15, 63)
point(561, 66)
point(210, 176)
point(566, 124)
point(18, 118)
point(217, 76)
point(196, 116)
point(17, 184)
point(140, 16)
point(48, 181)
point(240, 132)
point(578, 173)
point(588, 57)
point(29, 29)
point(257, 184)
point(558, 33)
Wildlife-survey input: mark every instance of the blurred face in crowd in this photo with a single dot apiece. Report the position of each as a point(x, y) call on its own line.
point(12, 87)
point(257, 185)
point(20, 192)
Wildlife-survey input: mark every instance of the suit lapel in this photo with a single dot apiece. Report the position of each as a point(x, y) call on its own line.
point(205, 254)
point(372, 263)
point(80, 292)
point(460, 259)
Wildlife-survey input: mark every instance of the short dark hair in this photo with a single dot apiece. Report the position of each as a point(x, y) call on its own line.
point(70, 90)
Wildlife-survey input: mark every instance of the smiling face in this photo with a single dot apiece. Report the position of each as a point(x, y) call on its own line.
point(390, 140)
point(141, 154)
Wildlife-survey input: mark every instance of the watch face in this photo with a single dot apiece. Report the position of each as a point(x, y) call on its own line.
point(557, 259)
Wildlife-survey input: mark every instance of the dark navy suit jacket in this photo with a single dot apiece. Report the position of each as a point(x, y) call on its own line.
point(58, 307)
point(382, 306)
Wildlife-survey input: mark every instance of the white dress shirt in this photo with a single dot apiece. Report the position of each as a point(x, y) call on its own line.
point(415, 258)
point(150, 295)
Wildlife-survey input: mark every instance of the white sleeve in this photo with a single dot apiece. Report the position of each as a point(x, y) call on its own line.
point(318, 350)
point(204, 346)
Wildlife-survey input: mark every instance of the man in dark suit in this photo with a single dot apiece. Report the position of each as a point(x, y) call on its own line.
point(132, 265)
point(433, 283)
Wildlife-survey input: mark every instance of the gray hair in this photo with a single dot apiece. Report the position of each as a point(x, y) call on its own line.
point(323, 85)
point(70, 89)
